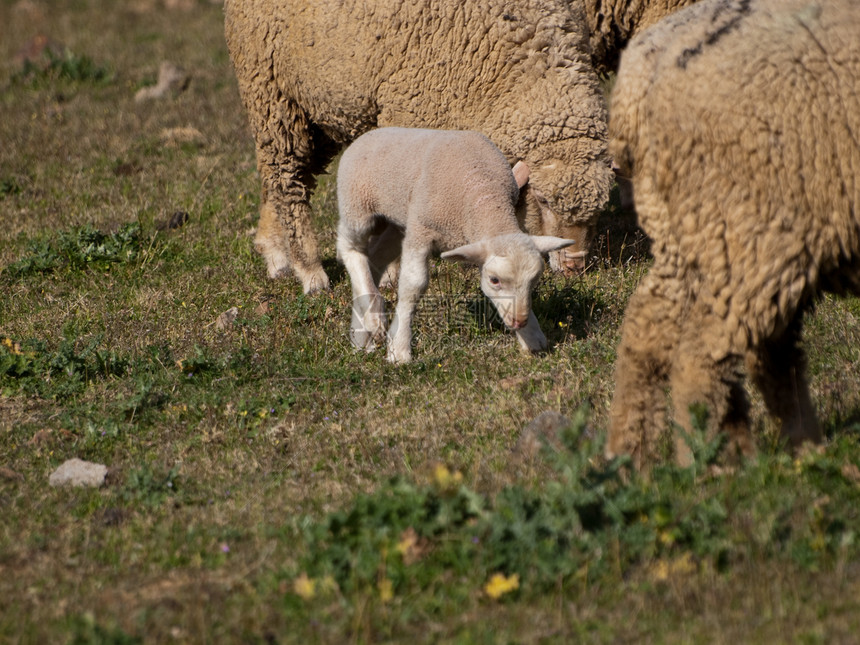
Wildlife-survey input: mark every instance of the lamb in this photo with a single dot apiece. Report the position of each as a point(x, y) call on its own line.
point(738, 121)
point(422, 191)
point(315, 75)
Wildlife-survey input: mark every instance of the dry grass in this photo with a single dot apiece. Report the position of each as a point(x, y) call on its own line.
point(283, 420)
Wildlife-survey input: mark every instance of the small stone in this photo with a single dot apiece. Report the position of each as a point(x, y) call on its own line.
point(175, 137)
point(177, 220)
point(40, 438)
point(545, 428)
point(10, 475)
point(77, 472)
point(171, 80)
point(227, 318)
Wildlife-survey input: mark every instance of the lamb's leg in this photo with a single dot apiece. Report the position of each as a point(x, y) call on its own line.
point(385, 248)
point(367, 328)
point(703, 374)
point(531, 337)
point(778, 369)
point(413, 282)
point(648, 337)
point(289, 153)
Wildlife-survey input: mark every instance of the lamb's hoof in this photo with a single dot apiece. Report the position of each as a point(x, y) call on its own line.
point(389, 278)
point(362, 339)
point(398, 357)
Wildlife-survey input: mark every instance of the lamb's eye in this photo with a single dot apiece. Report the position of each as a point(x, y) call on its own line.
point(495, 281)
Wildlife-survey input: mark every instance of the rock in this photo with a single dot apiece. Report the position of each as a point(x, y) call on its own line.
point(544, 429)
point(183, 136)
point(10, 475)
point(177, 220)
point(171, 80)
point(77, 472)
point(227, 318)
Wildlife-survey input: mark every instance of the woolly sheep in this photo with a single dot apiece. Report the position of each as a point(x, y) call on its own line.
point(315, 75)
point(738, 121)
point(612, 23)
point(423, 191)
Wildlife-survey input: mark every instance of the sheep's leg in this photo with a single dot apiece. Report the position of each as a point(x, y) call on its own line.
point(413, 283)
point(290, 151)
point(648, 336)
point(778, 369)
point(385, 248)
point(367, 328)
point(701, 378)
point(531, 337)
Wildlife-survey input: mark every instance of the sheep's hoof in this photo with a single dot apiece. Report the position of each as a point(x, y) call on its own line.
point(362, 339)
point(316, 281)
point(398, 357)
point(389, 277)
point(367, 336)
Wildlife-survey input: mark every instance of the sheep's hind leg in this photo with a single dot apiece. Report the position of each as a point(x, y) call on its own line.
point(290, 152)
point(638, 412)
point(367, 328)
point(713, 384)
point(413, 283)
point(778, 369)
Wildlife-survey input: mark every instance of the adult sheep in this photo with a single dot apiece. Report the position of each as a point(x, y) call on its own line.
point(315, 75)
point(739, 122)
point(612, 23)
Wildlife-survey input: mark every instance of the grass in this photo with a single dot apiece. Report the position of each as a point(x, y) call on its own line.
point(269, 484)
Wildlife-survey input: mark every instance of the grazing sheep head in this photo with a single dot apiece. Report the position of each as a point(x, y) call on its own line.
point(510, 266)
point(545, 207)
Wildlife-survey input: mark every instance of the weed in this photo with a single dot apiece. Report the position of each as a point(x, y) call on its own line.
point(151, 486)
point(308, 506)
point(9, 186)
point(65, 66)
point(84, 247)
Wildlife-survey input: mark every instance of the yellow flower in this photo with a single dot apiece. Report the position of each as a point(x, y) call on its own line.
point(410, 546)
point(14, 348)
point(683, 565)
point(386, 590)
point(499, 585)
point(304, 586)
point(444, 478)
point(327, 584)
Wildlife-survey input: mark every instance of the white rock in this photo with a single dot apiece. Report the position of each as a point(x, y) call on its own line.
point(77, 472)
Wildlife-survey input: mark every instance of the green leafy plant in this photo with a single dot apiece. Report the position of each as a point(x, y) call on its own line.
point(63, 65)
point(79, 249)
point(151, 486)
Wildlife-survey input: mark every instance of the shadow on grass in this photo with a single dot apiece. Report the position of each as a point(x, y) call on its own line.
point(843, 424)
point(618, 240)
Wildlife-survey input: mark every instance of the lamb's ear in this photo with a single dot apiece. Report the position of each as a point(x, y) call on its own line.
point(475, 253)
point(547, 243)
point(521, 174)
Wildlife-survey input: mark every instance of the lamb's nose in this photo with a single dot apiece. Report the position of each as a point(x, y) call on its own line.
point(519, 323)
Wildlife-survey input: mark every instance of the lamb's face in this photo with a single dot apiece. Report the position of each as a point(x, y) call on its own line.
point(508, 280)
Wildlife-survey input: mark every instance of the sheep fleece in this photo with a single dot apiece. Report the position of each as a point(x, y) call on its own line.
point(738, 121)
point(612, 23)
point(315, 75)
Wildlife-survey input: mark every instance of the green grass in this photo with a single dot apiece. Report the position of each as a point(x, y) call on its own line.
point(267, 483)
